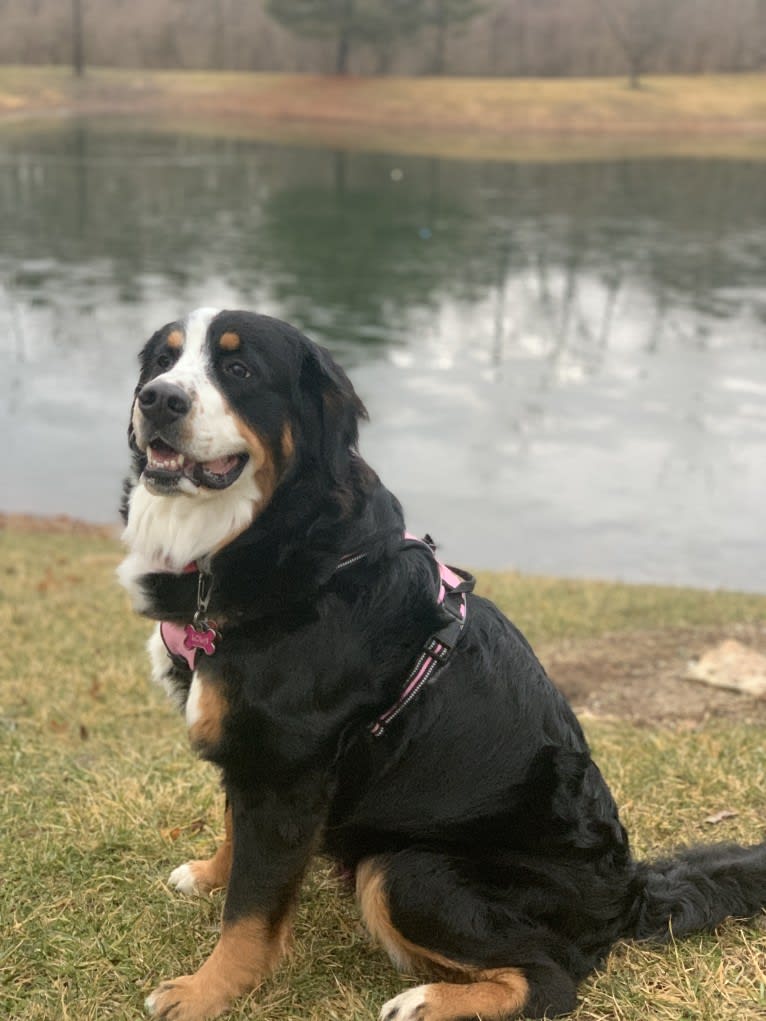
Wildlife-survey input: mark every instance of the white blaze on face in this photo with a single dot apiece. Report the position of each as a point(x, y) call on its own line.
point(166, 532)
point(210, 429)
point(191, 371)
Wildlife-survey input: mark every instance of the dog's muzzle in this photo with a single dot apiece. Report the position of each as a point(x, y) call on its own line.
point(164, 406)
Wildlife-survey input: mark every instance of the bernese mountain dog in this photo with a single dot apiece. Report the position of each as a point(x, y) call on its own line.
point(362, 702)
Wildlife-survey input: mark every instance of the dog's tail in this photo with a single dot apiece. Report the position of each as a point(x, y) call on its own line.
point(696, 890)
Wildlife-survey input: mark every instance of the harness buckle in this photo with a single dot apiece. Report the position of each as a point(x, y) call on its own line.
point(443, 641)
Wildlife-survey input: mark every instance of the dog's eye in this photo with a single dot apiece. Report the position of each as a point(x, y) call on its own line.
point(164, 361)
point(238, 369)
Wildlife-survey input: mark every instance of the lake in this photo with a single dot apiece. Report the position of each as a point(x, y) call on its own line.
point(564, 363)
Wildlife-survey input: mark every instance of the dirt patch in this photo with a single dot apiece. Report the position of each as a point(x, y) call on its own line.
point(640, 676)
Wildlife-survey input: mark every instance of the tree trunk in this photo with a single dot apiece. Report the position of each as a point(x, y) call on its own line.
point(441, 40)
point(78, 49)
point(341, 57)
point(344, 39)
point(218, 49)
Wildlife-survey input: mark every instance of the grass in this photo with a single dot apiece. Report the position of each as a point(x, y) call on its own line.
point(101, 799)
point(491, 118)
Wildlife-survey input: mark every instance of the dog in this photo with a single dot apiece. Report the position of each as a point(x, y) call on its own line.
point(360, 700)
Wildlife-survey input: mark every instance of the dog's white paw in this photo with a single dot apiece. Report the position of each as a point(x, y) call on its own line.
point(186, 881)
point(150, 1004)
point(407, 1006)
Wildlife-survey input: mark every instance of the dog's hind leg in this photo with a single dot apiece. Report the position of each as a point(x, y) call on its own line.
point(497, 974)
point(198, 878)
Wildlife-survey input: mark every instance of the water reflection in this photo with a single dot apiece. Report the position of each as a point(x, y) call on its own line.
point(564, 363)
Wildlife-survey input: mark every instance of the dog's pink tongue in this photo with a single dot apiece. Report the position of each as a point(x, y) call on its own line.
point(220, 466)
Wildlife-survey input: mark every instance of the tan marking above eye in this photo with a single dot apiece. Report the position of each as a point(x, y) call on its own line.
point(229, 341)
point(175, 339)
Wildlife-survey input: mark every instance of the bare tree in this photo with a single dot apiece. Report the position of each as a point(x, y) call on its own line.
point(384, 24)
point(320, 19)
point(446, 15)
point(760, 18)
point(78, 47)
point(639, 27)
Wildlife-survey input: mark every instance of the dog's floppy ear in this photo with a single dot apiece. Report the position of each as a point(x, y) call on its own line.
point(339, 406)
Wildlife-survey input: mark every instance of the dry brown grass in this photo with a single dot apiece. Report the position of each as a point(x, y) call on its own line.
point(491, 118)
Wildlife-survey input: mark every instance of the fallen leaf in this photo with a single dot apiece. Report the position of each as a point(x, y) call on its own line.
point(713, 820)
point(731, 665)
point(174, 832)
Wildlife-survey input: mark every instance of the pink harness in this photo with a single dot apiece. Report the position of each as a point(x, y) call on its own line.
point(185, 641)
point(454, 585)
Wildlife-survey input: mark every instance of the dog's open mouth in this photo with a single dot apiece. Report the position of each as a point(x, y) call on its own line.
point(166, 466)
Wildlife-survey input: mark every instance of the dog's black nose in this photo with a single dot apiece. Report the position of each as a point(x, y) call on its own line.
point(163, 403)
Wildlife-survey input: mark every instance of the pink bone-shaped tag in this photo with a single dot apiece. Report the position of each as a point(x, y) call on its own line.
point(196, 639)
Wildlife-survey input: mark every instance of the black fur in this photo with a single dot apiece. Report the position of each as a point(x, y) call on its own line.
point(500, 841)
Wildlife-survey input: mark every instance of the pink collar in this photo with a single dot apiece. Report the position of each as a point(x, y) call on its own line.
point(183, 640)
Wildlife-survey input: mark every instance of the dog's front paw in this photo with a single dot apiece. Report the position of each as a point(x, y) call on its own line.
point(198, 878)
point(185, 880)
point(185, 999)
point(194, 878)
point(410, 1005)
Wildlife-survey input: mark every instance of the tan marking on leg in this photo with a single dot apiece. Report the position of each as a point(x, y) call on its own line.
point(406, 955)
point(490, 996)
point(229, 341)
point(175, 339)
point(247, 951)
point(498, 993)
point(484, 993)
point(213, 873)
point(208, 712)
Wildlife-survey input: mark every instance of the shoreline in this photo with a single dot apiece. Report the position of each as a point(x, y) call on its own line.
point(67, 526)
point(584, 118)
point(56, 524)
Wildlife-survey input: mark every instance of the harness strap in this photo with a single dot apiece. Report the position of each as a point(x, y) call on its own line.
point(454, 585)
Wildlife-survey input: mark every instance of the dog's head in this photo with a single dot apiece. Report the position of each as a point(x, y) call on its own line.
point(229, 406)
